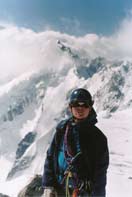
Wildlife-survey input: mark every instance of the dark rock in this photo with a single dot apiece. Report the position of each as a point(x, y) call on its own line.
point(33, 189)
point(25, 143)
point(3, 195)
point(19, 166)
point(22, 163)
point(87, 71)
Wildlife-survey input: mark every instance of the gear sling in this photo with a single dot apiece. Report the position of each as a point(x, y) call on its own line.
point(73, 186)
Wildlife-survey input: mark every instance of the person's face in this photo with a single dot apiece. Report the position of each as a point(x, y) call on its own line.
point(80, 111)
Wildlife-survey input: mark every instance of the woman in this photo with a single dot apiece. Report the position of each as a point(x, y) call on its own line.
point(78, 158)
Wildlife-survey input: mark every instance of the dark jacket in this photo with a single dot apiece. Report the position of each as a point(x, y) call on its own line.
point(94, 160)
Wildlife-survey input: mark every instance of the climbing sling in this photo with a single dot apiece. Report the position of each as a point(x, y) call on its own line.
point(73, 185)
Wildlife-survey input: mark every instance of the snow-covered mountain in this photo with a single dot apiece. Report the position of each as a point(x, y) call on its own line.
point(32, 104)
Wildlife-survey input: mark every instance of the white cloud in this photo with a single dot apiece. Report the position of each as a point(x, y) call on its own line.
point(124, 38)
point(23, 50)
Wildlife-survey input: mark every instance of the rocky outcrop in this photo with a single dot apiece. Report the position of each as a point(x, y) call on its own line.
point(33, 189)
point(3, 195)
point(25, 143)
point(22, 162)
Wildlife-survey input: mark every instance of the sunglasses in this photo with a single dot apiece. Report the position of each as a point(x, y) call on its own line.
point(80, 104)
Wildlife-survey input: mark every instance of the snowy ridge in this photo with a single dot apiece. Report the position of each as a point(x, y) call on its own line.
point(32, 107)
point(7, 87)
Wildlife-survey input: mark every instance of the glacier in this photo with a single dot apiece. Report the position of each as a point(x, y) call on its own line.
point(35, 99)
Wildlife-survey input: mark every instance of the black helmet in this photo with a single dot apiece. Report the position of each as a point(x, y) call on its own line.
point(81, 95)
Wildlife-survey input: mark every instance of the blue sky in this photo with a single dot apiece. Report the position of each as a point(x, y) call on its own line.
point(77, 17)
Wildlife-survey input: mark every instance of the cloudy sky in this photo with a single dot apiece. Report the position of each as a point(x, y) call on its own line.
point(29, 30)
point(77, 17)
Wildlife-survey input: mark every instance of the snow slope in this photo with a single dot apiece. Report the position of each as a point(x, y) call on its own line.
point(118, 130)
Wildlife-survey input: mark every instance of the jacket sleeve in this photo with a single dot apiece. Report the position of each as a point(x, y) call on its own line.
point(48, 178)
point(101, 173)
point(49, 174)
